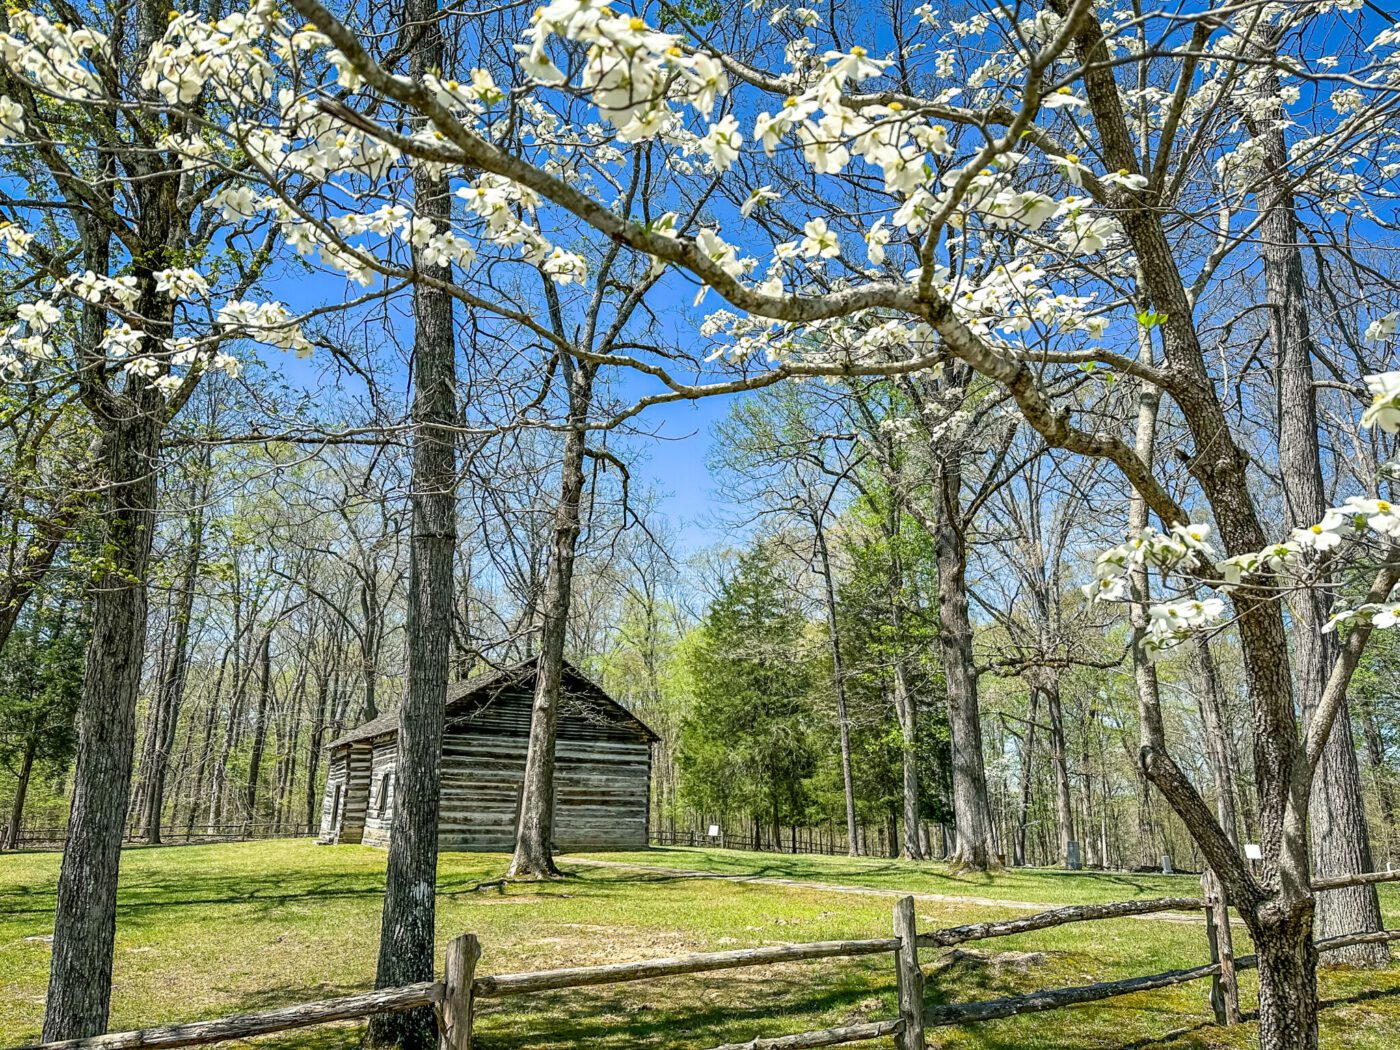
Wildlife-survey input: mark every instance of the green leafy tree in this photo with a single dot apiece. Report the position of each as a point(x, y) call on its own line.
point(41, 674)
point(873, 645)
point(748, 744)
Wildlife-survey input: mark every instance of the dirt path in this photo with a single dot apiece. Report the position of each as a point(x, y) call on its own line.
point(869, 891)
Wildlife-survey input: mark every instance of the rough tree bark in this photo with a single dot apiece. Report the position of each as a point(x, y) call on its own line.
point(1048, 683)
point(972, 814)
point(535, 828)
point(1278, 905)
point(129, 420)
point(1211, 701)
point(80, 974)
point(255, 756)
point(1023, 811)
point(406, 929)
point(1337, 815)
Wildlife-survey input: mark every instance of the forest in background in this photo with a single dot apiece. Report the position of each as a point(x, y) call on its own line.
point(278, 623)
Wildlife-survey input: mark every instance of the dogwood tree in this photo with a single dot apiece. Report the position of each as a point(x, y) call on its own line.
point(123, 287)
point(1024, 189)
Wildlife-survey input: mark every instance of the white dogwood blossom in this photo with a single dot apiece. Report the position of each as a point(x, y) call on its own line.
point(1185, 551)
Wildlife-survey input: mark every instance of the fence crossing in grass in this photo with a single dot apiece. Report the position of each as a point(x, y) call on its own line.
point(456, 996)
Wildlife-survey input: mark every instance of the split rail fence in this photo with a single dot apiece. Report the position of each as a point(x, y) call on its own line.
point(455, 997)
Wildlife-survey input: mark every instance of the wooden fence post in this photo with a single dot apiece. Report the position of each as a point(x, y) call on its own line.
point(458, 972)
point(1224, 989)
point(910, 979)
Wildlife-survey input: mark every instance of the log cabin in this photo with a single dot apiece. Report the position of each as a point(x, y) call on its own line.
point(602, 775)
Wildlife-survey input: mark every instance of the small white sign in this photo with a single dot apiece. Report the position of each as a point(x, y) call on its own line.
point(714, 831)
point(1252, 851)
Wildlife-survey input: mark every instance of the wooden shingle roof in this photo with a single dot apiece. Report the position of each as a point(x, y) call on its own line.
point(465, 699)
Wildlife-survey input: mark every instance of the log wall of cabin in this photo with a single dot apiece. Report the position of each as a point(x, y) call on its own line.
point(356, 800)
point(335, 779)
point(602, 776)
point(602, 780)
point(379, 814)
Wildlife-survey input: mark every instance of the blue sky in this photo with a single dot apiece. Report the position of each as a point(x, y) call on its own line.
point(675, 466)
point(667, 455)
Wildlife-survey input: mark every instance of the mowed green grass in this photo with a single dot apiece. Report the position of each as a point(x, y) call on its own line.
point(1029, 885)
point(210, 930)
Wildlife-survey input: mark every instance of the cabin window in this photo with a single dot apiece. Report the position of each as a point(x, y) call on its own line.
point(384, 782)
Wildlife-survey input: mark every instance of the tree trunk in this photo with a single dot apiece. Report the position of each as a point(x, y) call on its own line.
point(905, 709)
point(535, 830)
point(287, 747)
point(1287, 981)
point(250, 795)
point(1064, 804)
point(1211, 701)
point(972, 817)
point(80, 975)
point(1336, 813)
point(17, 586)
point(1148, 855)
point(136, 805)
point(172, 687)
point(206, 749)
point(838, 683)
point(406, 930)
point(313, 747)
point(26, 767)
point(1144, 671)
point(1220, 465)
point(242, 667)
point(1023, 812)
point(369, 668)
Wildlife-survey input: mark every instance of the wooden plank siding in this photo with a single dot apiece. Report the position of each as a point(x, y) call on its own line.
point(602, 774)
point(380, 812)
point(336, 775)
point(351, 826)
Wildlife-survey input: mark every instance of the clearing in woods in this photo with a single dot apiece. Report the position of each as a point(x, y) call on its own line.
point(210, 930)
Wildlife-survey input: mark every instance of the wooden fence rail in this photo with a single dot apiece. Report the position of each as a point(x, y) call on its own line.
point(618, 973)
point(981, 931)
point(1341, 882)
point(454, 996)
point(244, 1026)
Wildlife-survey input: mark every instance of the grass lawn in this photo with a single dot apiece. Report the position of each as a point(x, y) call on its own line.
point(1046, 886)
point(210, 930)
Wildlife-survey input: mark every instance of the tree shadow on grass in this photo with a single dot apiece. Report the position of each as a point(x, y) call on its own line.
point(661, 1015)
point(196, 893)
point(690, 1012)
point(186, 889)
point(799, 867)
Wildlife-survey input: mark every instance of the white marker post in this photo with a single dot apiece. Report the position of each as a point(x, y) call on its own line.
point(1254, 855)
